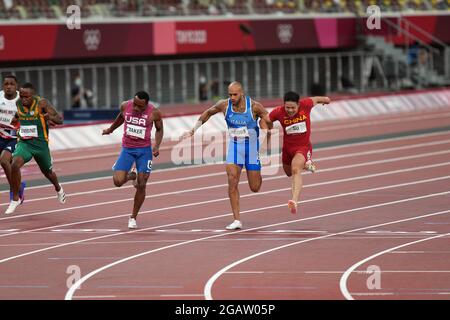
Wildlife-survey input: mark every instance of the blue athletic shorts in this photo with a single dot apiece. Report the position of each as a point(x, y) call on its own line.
point(8, 144)
point(244, 152)
point(141, 156)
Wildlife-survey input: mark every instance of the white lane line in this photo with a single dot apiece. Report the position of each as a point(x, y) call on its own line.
point(245, 272)
point(74, 287)
point(140, 287)
point(152, 183)
point(95, 297)
point(373, 293)
point(213, 279)
point(352, 166)
point(82, 258)
point(344, 278)
point(381, 271)
point(194, 166)
point(182, 295)
point(250, 195)
point(220, 216)
point(271, 239)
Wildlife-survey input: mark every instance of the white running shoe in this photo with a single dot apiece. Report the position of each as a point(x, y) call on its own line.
point(132, 223)
point(236, 224)
point(62, 196)
point(310, 166)
point(12, 206)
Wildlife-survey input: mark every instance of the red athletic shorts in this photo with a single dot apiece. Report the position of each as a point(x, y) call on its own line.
point(289, 153)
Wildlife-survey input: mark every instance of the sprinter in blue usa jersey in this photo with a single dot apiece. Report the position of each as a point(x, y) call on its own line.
point(241, 115)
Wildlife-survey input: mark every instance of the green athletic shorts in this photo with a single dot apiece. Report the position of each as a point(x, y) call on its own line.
point(36, 149)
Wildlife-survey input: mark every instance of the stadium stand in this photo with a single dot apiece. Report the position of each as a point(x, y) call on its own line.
point(53, 9)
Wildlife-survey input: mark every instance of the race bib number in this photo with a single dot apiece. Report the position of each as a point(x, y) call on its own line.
point(296, 128)
point(28, 132)
point(5, 121)
point(241, 132)
point(136, 131)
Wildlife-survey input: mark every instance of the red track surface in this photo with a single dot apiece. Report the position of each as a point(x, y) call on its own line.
point(382, 203)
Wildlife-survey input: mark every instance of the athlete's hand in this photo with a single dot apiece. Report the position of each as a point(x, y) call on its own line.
point(106, 131)
point(187, 134)
point(155, 150)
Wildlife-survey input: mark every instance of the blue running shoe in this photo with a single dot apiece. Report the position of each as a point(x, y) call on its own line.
point(22, 191)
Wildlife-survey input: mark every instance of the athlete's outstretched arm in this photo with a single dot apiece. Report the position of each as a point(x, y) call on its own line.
point(49, 112)
point(220, 106)
point(157, 119)
point(117, 122)
point(320, 100)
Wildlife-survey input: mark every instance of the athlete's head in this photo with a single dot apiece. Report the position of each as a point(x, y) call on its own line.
point(140, 101)
point(26, 93)
point(235, 92)
point(10, 86)
point(291, 100)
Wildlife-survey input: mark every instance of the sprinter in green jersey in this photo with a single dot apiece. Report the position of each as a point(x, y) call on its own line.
point(34, 114)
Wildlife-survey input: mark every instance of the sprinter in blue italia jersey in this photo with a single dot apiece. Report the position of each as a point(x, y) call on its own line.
point(242, 115)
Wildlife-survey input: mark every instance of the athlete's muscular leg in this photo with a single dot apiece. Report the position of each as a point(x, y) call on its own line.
point(16, 164)
point(139, 196)
point(234, 174)
point(297, 165)
point(254, 180)
point(5, 161)
point(287, 169)
point(121, 177)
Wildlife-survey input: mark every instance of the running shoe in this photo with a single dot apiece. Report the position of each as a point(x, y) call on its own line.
point(61, 196)
point(132, 223)
point(12, 206)
point(236, 224)
point(310, 166)
point(292, 205)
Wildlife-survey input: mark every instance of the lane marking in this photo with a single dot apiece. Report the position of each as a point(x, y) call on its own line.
point(210, 282)
point(255, 194)
point(170, 181)
point(344, 278)
point(422, 135)
point(77, 284)
point(352, 166)
point(227, 215)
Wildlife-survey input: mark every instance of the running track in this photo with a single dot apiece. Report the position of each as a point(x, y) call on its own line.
point(381, 202)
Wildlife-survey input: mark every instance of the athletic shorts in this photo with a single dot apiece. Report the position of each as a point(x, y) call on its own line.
point(38, 150)
point(289, 153)
point(244, 153)
point(8, 144)
point(141, 156)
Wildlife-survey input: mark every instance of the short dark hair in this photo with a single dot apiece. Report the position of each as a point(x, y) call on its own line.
point(143, 95)
point(291, 96)
point(27, 85)
point(10, 76)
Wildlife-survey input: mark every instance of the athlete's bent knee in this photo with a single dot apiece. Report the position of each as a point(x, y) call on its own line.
point(117, 182)
point(5, 163)
point(255, 188)
point(15, 166)
point(296, 170)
